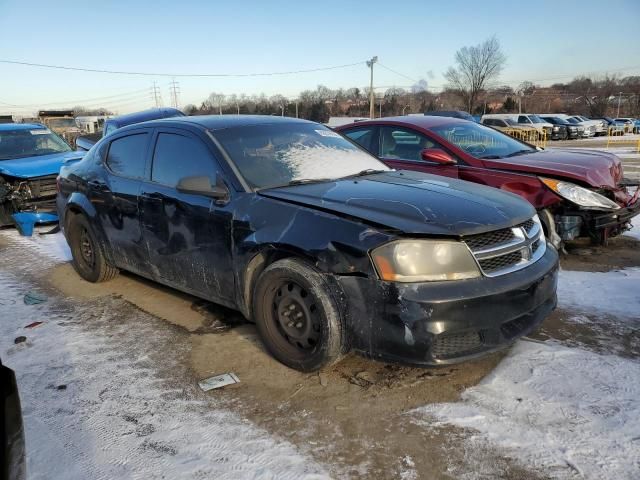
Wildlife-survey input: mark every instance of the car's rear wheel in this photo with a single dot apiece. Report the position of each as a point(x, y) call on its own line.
point(297, 317)
point(88, 256)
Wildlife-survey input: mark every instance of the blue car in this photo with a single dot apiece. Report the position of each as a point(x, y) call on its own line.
point(30, 159)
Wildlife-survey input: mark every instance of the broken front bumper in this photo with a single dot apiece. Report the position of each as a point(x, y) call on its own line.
point(437, 323)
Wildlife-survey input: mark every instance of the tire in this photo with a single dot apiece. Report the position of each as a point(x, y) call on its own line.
point(291, 291)
point(87, 252)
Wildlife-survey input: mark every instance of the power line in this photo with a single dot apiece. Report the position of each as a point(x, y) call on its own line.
point(164, 74)
point(398, 73)
point(76, 102)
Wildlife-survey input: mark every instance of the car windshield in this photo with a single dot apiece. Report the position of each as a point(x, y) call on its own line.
point(276, 155)
point(513, 123)
point(482, 142)
point(62, 123)
point(536, 119)
point(572, 120)
point(30, 143)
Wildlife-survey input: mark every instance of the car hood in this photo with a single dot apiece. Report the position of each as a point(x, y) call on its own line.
point(412, 202)
point(38, 166)
point(593, 167)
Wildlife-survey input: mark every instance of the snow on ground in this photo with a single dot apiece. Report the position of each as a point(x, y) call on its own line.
point(635, 231)
point(53, 246)
point(105, 394)
point(565, 411)
point(615, 293)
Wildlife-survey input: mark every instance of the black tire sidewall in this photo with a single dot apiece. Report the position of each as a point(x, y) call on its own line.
point(77, 223)
point(331, 345)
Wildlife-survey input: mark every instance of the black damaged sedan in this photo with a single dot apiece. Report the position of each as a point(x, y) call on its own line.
point(321, 245)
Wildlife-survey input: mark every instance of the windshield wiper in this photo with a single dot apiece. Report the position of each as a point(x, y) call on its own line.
point(519, 152)
point(299, 181)
point(362, 173)
point(490, 157)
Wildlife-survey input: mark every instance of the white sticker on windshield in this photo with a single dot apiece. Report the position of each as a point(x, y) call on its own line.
point(41, 131)
point(328, 133)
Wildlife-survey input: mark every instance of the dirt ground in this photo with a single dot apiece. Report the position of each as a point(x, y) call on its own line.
point(348, 415)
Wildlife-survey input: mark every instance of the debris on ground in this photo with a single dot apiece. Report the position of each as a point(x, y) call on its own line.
point(324, 381)
point(34, 298)
point(33, 324)
point(20, 339)
point(218, 381)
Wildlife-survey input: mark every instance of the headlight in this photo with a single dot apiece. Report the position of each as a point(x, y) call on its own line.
point(556, 128)
point(424, 261)
point(580, 196)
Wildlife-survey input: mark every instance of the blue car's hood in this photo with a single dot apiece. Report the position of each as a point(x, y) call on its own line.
point(38, 166)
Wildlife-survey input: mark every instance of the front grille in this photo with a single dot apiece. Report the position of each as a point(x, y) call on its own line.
point(456, 344)
point(494, 264)
point(42, 187)
point(509, 249)
point(514, 328)
point(486, 240)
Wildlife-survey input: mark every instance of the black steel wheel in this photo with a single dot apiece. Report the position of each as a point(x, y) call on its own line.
point(297, 317)
point(88, 257)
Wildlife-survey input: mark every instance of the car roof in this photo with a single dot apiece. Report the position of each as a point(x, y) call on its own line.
point(218, 122)
point(138, 117)
point(427, 121)
point(8, 127)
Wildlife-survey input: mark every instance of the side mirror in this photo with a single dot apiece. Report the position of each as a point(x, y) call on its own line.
point(201, 185)
point(437, 155)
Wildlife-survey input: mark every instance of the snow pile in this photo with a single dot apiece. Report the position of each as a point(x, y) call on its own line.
point(565, 411)
point(610, 293)
point(106, 394)
point(635, 231)
point(52, 246)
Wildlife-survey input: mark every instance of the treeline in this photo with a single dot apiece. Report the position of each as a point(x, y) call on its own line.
point(583, 95)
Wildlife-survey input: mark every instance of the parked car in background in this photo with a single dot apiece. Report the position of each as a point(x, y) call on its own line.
point(30, 159)
point(452, 113)
point(503, 124)
point(585, 131)
point(628, 124)
point(12, 444)
point(600, 127)
point(568, 130)
point(576, 192)
point(318, 242)
point(613, 127)
point(526, 120)
point(85, 142)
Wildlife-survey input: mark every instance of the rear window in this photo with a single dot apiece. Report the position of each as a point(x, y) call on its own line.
point(127, 155)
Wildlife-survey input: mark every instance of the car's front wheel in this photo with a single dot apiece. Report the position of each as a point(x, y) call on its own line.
point(297, 317)
point(88, 257)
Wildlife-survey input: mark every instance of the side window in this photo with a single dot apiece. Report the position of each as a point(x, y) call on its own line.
point(127, 155)
point(501, 123)
point(523, 119)
point(402, 143)
point(488, 122)
point(177, 156)
point(362, 136)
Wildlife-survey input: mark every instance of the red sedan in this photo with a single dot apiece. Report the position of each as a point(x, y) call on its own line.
point(577, 192)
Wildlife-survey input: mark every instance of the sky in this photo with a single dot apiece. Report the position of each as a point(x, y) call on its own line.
point(544, 41)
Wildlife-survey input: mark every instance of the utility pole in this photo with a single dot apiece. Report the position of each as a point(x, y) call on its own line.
point(174, 90)
point(372, 99)
point(238, 107)
point(296, 108)
point(155, 91)
point(619, 98)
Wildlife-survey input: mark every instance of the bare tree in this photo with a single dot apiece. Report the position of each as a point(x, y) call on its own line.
point(475, 67)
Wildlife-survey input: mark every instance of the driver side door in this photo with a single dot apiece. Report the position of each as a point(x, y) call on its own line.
point(401, 147)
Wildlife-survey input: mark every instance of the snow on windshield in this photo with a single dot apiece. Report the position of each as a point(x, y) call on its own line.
point(275, 155)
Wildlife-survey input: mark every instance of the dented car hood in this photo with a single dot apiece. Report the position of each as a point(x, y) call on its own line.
point(41, 165)
point(412, 203)
point(593, 167)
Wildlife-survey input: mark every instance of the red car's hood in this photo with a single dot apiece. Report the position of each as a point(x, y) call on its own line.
point(593, 167)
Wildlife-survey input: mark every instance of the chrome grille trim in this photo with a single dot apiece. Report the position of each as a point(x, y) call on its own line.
point(524, 248)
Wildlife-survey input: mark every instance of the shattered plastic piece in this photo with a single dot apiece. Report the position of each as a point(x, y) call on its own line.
point(34, 324)
point(34, 298)
point(20, 339)
point(218, 381)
